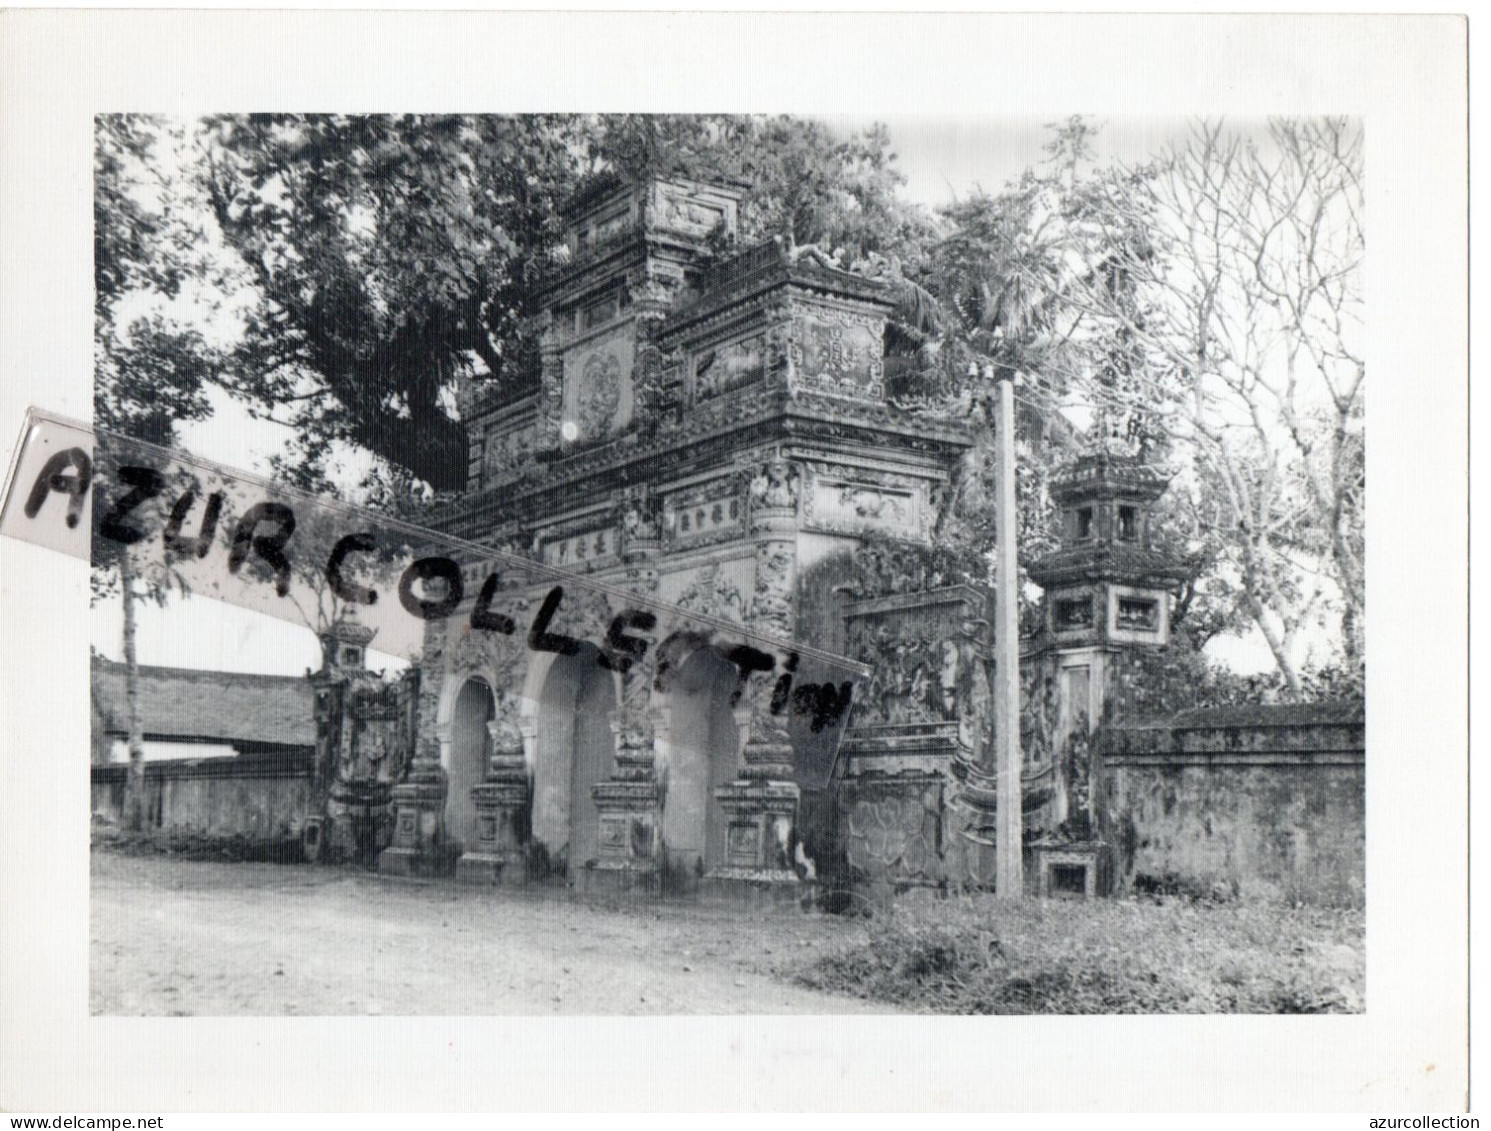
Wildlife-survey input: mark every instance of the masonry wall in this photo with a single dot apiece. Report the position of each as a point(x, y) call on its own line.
point(261, 798)
point(1253, 802)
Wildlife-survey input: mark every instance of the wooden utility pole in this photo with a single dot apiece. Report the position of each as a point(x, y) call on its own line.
point(1009, 868)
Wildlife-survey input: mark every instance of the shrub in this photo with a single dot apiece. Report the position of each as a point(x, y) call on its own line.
point(973, 955)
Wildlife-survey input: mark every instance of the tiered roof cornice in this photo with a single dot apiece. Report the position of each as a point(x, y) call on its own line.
point(1104, 474)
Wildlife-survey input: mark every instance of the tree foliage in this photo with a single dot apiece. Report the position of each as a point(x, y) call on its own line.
point(389, 255)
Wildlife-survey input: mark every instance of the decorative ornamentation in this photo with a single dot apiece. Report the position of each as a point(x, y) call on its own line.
point(837, 352)
point(885, 568)
point(585, 614)
point(730, 366)
point(775, 487)
point(506, 452)
point(583, 548)
point(895, 833)
point(712, 594)
point(772, 604)
point(1038, 709)
point(704, 514)
point(599, 395)
point(640, 520)
point(816, 255)
point(682, 213)
point(377, 734)
point(491, 655)
point(507, 737)
point(928, 655)
point(551, 388)
point(854, 501)
point(873, 504)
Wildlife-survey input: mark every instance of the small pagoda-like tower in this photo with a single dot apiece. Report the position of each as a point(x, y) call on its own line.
point(1109, 590)
point(364, 729)
point(707, 426)
point(1108, 584)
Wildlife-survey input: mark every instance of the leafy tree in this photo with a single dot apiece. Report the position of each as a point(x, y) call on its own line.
point(1205, 309)
point(992, 282)
point(390, 255)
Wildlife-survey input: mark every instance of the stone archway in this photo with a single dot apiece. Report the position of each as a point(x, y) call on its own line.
point(703, 754)
point(574, 748)
point(468, 752)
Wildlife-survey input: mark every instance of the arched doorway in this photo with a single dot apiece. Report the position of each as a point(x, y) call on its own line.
point(470, 750)
point(574, 749)
point(702, 756)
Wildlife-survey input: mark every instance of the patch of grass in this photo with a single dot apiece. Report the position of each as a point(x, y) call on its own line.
point(971, 954)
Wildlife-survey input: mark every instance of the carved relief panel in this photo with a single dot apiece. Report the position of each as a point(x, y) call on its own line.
point(597, 396)
point(675, 208)
point(850, 500)
point(730, 365)
point(928, 655)
point(506, 451)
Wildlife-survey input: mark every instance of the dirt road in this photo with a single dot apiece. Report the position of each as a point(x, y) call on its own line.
point(178, 937)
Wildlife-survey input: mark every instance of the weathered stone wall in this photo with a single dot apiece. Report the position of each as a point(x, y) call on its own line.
point(1257, 802)
point(261, 798)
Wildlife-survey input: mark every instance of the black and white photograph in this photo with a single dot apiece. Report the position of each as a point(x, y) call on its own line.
point(730, 361)
point(688, 563)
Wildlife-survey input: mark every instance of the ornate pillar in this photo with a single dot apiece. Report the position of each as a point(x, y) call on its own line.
point(501, 803)
point(651, 296)
point(418, 813)
point(628, 804)
point(418, 800)
point(761, 805)
point(551, 381)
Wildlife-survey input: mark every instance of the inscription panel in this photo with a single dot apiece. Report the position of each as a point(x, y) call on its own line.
point(702, 518)
point(580, 549)
point(838, 356)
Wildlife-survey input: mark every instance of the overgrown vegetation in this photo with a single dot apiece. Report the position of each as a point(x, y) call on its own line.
point(1165, 955)
point(187, 845)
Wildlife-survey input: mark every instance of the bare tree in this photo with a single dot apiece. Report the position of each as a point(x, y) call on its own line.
point(1233, 270)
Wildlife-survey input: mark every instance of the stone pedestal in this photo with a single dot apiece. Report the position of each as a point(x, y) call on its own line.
point(759, 835)
point(501, 804)
point(498, 855)
point(628, 858)
point(418, 824)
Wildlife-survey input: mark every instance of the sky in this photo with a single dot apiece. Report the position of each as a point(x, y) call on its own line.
point(944, 158)
point(948, 157)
